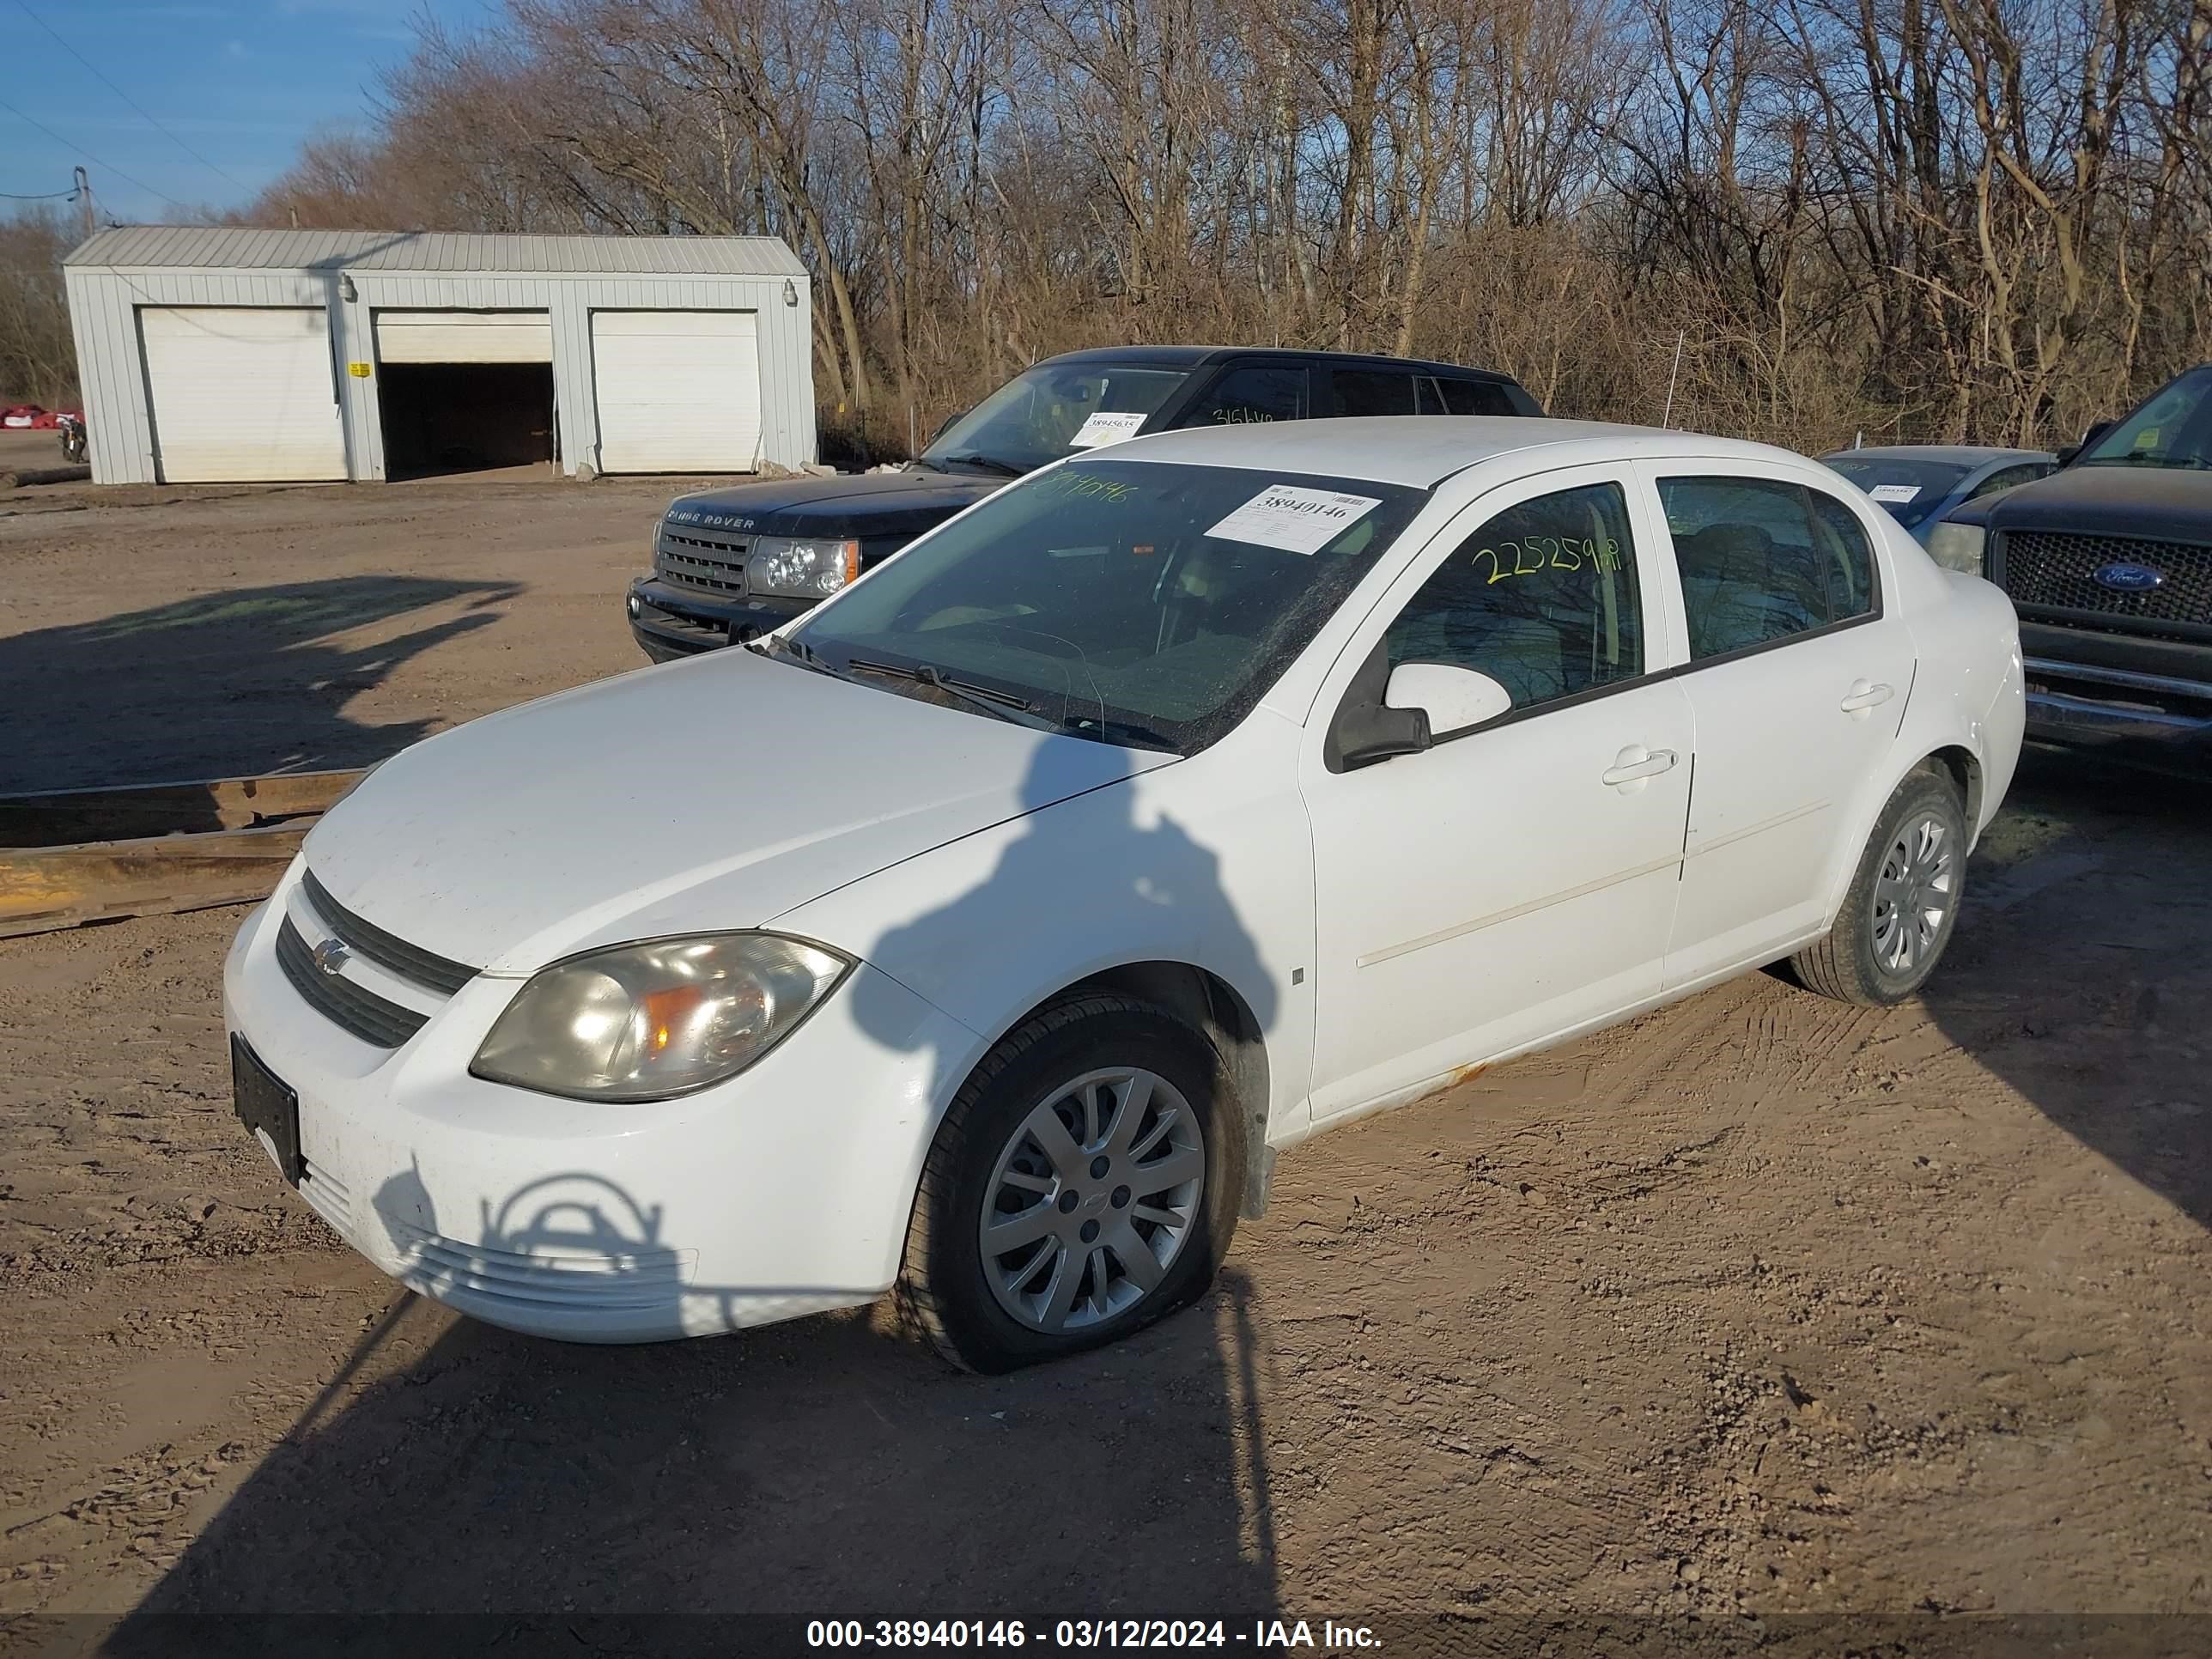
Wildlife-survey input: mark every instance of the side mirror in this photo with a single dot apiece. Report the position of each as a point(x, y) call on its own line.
point(1366, 732)
point(1451, 699)
point(2096, 429)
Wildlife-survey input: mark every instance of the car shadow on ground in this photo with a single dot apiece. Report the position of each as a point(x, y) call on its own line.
point(228, 685)
point(827, 1468)
point(2082, 976)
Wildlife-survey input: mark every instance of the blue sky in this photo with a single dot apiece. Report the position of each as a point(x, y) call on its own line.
point(241, 81)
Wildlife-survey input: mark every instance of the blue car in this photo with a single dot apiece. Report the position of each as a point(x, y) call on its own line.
point(1919, 484)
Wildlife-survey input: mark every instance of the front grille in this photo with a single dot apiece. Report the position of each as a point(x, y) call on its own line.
point(2057, 570)
point(426, 967)
point(346, 1004)
point(702, 559)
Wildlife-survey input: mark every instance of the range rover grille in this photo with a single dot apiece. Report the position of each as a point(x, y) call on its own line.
point(703, 559)
point(2057, 570)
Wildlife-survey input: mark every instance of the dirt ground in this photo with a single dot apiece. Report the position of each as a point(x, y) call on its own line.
point(1757, 1306)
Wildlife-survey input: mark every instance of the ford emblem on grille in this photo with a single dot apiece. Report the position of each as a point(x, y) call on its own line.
point(2122, 576)
point(330, 956)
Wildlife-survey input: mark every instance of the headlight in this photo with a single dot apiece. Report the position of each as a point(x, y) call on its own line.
point(643, 1021)
point(801, 569)
point(1957, 546)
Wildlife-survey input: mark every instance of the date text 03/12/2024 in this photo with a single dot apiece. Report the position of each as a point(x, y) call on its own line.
point(1260, 1636)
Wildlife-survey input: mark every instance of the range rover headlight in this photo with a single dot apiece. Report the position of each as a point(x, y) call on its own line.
point(1958, 547)
point(801, 569)
point(645, 1022)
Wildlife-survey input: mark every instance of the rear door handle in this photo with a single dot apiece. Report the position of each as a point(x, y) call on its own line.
point(1635, 763)
point(1863, 696)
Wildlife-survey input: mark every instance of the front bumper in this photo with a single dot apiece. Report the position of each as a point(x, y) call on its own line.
point(669, 622)
point(785, 1191)
point(2126, 711)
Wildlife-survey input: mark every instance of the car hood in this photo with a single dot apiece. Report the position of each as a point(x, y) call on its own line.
point(710, 794)
point(2164, 503)
point(854, 505)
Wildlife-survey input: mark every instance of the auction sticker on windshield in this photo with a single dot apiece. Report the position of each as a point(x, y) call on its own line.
point(1898, 493)
point(1294, 519)
point(1107, 427)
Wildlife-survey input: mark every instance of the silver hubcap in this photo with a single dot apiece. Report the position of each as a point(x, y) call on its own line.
point(1914, 894)
point(1092, 1199)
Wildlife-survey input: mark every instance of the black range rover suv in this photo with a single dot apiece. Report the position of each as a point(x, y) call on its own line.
point(728, 564)
point(2109, 562)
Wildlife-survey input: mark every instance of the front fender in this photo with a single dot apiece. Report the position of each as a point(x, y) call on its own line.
point(1207, 863)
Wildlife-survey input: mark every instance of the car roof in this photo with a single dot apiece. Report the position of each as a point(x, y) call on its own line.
point(1197, 356)
point(1423, 450)
point(1953, 454)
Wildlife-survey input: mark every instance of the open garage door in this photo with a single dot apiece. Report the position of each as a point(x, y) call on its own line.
point(242, 394)
point(465, 391)
point(677, 391)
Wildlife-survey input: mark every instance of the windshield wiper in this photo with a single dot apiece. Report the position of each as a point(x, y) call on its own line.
point(1130, 733)
point(775, 645)
point(989, 464)
point(1005, 704)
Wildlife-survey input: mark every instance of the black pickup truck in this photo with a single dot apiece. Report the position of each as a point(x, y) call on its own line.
point(728, 564)
point(2109, 562)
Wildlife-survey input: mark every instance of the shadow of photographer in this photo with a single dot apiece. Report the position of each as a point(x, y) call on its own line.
point(225, 685)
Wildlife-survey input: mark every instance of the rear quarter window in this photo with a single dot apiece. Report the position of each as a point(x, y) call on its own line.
point(1471, 397)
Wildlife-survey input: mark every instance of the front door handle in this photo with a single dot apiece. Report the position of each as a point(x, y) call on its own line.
point(1633, 765)
point(1865, 695)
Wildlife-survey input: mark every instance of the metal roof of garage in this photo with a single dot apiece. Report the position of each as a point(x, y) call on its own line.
point(245, 248)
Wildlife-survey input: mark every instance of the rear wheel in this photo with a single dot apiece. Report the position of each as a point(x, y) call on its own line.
point(1903, 900)
point(1084, 1184)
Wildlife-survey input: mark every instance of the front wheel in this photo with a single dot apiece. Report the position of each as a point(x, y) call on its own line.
point(1085, 1182)
point(1903, 901)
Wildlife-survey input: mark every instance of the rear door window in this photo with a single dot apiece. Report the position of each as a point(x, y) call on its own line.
point(1373, 391)
point(1254, 394)
point(1762, 560)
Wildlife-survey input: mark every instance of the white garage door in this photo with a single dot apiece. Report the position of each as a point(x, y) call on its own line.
point(242, 392)
point(677, 391)
point(464, 337)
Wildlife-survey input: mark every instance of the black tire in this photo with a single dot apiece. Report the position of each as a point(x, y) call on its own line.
point(1845, 963)
point(942, 1289)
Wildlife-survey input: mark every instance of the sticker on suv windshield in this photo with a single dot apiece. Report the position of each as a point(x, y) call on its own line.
point(1894, 492)
point(1107, 428)
point(1294, 519)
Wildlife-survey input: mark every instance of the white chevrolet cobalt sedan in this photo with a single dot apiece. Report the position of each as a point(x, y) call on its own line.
point(985, 934)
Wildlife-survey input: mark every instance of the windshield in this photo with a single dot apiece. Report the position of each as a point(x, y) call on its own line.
point(1911, 490)
point(1133, 602)
point(2174, 428)
point(1046, 413)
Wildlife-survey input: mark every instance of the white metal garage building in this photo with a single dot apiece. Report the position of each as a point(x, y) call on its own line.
point(220, 354)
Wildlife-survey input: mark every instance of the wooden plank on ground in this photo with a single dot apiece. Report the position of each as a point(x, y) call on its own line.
point(43, 889)
point(65, 817)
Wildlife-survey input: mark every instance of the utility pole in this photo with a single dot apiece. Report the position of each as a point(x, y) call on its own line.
point(84, 201)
